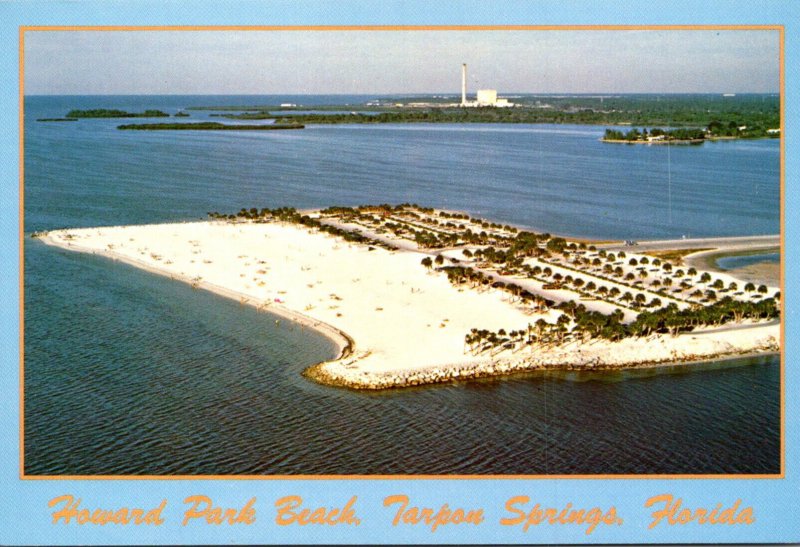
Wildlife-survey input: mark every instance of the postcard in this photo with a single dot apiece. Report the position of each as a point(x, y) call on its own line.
point(297, 273)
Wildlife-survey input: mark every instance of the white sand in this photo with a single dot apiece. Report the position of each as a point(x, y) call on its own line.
point(408, 324)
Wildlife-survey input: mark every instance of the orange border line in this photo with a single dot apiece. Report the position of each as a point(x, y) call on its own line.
point(397, 27)
point(22, 253)
point(782, 94)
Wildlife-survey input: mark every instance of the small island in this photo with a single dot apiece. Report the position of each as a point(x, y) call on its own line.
point(57, 120)
point(414, 295)
point(261, 115)
point(206, 126)
point(714, 131)
point(113, 113)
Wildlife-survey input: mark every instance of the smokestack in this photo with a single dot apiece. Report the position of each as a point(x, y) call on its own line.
point(464, 84)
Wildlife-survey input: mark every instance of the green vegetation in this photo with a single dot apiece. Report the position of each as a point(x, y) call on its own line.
point(683, 135)
point(504, 257)
point(247, 116)
point(57, 120)
point(720, 114)
point(656, 135)
point(290, 214)
point(594, 325)
point(106, 113)
point(206, 126)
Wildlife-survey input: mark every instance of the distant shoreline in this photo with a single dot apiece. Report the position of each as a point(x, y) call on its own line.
point(663, 142)
point(206, 126)
point(684, 142)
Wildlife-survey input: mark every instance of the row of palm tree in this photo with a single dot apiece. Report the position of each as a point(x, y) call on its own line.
point(587, 324)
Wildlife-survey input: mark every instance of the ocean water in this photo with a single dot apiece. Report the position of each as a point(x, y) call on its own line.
point(131, 373)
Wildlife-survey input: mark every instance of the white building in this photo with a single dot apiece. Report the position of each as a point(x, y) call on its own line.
point(487, 97)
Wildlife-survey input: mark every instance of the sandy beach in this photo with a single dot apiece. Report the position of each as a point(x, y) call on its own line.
point(396, 322)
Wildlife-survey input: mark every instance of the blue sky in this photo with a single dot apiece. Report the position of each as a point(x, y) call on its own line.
point(385, 62)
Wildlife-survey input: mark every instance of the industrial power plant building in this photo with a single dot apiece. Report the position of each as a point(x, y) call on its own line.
point(485, 97)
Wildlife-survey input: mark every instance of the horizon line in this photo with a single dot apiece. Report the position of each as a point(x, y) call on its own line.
point(456, 94)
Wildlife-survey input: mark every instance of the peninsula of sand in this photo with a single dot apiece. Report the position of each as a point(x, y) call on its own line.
point(410, 303)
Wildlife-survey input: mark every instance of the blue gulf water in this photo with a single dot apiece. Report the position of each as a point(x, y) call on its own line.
point(131, 373)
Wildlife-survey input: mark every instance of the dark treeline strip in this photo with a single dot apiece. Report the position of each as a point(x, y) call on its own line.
point(290, 214)
point(206, 126)
point(700, 110)
point(521, 115)
point(106, 113)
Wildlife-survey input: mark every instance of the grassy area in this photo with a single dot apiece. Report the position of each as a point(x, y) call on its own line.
point(675, 255)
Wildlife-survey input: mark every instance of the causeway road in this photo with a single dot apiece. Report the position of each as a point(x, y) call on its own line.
point(744, 243)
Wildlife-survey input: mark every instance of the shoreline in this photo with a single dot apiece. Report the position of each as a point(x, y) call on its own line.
point(383, 359)
point(676, 142)
point(319, 374)
point(768, 272)
point(344, 343)
point(687, 141)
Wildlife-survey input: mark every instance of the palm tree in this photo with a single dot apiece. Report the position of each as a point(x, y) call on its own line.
point(749, 287)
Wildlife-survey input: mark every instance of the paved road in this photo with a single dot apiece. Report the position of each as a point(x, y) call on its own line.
point(720, 243)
